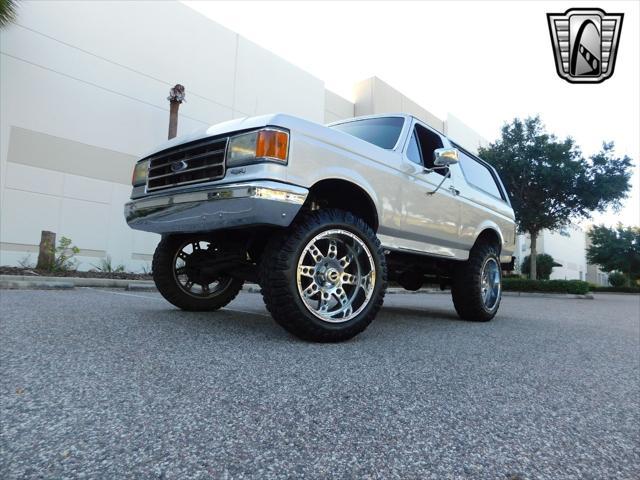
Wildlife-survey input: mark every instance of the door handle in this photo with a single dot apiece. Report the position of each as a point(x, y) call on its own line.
point(454, 190)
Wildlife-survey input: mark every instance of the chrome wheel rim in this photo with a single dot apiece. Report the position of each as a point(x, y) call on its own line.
point(490, 283)
point(336, 276)
point(188, 272)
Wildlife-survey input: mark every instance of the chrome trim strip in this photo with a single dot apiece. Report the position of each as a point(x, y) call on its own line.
point(185, 147)
point(416, 237)
point(186, 170)
point(262, 190)
point(264, 202)
point(188, 182)
point(195, 157)
point(221, 164)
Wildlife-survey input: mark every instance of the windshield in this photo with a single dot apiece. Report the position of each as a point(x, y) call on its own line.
point(383, 132)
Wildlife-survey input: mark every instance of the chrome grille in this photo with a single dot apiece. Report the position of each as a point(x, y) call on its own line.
point(195, 162)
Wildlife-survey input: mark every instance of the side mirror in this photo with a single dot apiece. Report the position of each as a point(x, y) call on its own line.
point(443, 157)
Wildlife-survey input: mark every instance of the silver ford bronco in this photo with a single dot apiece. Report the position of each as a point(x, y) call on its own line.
point(322, 217)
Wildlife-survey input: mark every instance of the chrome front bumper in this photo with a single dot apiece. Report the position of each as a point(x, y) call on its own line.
point(223, 206)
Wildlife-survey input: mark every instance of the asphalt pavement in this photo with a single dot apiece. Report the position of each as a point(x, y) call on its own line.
point(99, 383)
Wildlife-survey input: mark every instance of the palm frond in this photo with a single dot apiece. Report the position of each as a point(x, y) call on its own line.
point(8, 10)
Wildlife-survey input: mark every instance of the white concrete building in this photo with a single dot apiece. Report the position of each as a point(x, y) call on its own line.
point(83, 89)
point(567, 249)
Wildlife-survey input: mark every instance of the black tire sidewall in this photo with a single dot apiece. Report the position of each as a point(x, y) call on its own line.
point(467, 285)
point(167, 283)
point(278, 276)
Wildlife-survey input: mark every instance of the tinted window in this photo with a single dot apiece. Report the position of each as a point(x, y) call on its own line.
point(383, 132)
point(413, 150)
point(478, 175)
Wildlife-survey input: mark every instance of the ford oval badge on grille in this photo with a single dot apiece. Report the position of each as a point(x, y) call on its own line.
point(178, 166)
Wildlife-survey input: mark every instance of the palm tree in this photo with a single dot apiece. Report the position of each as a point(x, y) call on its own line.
point(176, 97)
point(7, 12)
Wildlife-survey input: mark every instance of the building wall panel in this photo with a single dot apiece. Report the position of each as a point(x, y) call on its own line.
point(25, 214)
point(336, 107)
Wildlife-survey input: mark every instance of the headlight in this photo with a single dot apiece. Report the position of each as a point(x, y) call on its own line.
point(267, 145)
point(140, 173)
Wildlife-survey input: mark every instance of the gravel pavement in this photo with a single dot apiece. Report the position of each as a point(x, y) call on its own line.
point(108, 384)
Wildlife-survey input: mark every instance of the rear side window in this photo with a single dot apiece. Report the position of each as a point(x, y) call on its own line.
point(478, 175)
point(383, 132)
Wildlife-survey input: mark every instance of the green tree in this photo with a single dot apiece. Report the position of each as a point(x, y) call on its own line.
point(7, 12)
point(550, 183)
point(544, 264)
point(617, 279)
point(615, 249)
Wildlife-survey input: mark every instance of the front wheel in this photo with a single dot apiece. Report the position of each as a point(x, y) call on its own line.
point(324, 280)
point(477, 284)
point(185, 273)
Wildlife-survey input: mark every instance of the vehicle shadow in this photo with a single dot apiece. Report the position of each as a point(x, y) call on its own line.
point(415, 313)
point(220, 322)
point(229, 324)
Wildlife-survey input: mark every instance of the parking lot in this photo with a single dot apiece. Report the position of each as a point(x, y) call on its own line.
point(113, 384)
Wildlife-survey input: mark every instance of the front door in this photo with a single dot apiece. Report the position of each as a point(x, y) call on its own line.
point(430, 220)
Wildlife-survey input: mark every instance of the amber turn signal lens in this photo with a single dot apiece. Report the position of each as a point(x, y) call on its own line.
point(272, 144)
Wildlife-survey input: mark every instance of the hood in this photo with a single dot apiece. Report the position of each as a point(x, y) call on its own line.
point(290, 122)
point(229, 126)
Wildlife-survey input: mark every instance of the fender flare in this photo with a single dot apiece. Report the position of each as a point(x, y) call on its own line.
point(351, 176)
point(492, 226)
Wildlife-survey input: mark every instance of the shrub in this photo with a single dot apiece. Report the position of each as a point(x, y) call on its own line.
point(146, 269)
point(544, 265)
point(616, 289)
point(25, 262)
point(617, 279)
point(576, 287)
point(64, 254)
point(512, 275)
point(106, 266)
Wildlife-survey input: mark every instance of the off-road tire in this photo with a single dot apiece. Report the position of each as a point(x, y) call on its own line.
point(466, 285)
point(166, 282)
point(278, 281)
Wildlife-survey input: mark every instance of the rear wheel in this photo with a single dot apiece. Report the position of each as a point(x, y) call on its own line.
point(325, 279)
point(185, 273)
point(477, 284)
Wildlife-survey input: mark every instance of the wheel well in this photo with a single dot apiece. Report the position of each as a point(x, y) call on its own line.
point(335, 193)
point(491, 237)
